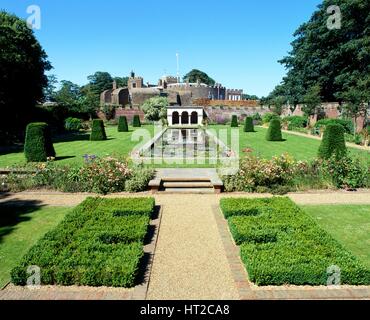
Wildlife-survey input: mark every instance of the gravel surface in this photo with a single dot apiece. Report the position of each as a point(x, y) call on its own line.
point(190, 261)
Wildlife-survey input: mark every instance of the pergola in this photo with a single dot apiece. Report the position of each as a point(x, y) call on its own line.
point(185, 116)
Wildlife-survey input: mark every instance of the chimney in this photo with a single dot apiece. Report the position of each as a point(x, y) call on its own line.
point(114, 85)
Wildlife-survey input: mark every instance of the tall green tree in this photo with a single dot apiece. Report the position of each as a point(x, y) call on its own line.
point(312, 101)
point(329, 56)
point(69, 95)
point(196, 75)
point(23, 63)
point(100, 81)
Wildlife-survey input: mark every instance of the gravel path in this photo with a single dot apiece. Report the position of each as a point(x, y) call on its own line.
point(190, 261)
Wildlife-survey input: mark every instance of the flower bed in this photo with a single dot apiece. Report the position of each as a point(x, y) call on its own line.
point(99, 243)
point(280, 244)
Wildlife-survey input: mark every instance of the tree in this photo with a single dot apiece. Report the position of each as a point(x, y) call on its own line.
point(278, 103)
point(196, 75)
point(312, 101)
point(155, 108)
point(49, 90)
point(100, 81)
point(69, 95)
point(121, 82)
point(23, 63)
point(329, 57)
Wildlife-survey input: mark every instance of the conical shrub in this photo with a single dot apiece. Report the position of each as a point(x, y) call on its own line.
point(136, 121)
point(333, 142)
point(98, 131)
point(234, 121)
point(122, 124)
point(38, 145)
point(274, 131)
point(248, 125)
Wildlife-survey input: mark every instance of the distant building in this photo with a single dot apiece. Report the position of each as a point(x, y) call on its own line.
point(179, 93)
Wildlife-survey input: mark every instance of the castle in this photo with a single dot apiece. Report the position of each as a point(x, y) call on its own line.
point(178, 93)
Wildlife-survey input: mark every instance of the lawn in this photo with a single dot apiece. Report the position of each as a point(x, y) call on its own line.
point(349, 224)
point(281, 244)
point(71, 148)
point(99, 243)
point(20, 228)
point(301, 148)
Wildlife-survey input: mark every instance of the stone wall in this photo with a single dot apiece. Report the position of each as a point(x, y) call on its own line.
point(226, 103)
point(129, 113)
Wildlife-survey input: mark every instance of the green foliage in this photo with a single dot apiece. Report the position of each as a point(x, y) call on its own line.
point(155, 108)
point(312, 101)
point(109, 111)
point(282, 245)
point(98, 131)
point(197, 75)
point(329, 57)
point(248, 125)
point(99, 243)
point(234, 121)
point(122, 124)
point(347, 172)
point(38, 145)
point(295, 122)
point(268, 116)
point(274, 131)
point(333, 142)
point(100, 81)
point(139, 180)
point(347, 124)
point(22, 61)
point(136, 123)
point(73, 124)
point(255, 172)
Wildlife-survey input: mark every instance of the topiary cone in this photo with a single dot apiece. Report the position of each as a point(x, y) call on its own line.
point(248, 125)
point(122, 124)
point(274, 131)
point(98, 131)
point(136, 121)
point(38, 145)
point(234, 121)
point(333, 142)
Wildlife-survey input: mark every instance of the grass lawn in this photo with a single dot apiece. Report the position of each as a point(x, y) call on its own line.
point(71, 148)
point(301, 148)
point(349, 224)
point(20, 228)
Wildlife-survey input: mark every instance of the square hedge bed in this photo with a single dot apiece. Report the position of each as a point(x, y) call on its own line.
point(281, 245)
point(99, 243)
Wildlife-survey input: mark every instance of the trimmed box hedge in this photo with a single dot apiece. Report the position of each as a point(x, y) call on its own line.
point(136, 123)
point(282, 245)
point(248, 124)
point(92, 246)
point(333, 142)
point(234, 121)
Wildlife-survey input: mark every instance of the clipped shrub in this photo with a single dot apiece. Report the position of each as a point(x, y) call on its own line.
point(234, 121)
point(295, 122)
point(122, 124)
point(347, 124)
point(139, 180)
point(248, 125)
point(268, 116)
point(274, 131)
point(136, 121)
point(38, 144)
point(333, 142)
point(282, 245)
point(98, 131)
point(92, 246)
point(73, 124)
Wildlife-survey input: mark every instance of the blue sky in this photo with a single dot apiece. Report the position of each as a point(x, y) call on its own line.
point(237, 42)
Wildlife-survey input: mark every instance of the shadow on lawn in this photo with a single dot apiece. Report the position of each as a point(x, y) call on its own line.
point(15, 211)
point(70, 137)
